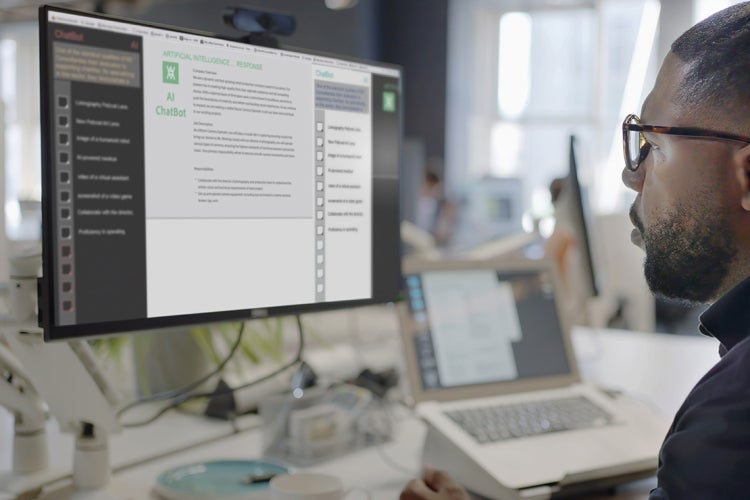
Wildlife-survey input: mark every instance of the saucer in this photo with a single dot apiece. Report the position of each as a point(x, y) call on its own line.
point(218, 479)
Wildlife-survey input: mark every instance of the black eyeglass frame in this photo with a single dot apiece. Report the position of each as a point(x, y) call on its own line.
point(663, 129)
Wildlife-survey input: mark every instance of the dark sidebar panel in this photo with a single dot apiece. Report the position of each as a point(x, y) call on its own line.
point(97, 175)
point(387, 116)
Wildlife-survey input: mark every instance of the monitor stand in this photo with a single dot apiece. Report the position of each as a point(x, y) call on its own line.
point(67, 376)
point(30, 463)
point(79, 396)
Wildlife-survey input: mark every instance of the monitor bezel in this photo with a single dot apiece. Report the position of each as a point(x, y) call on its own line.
point(581, 224)
point(385, 209)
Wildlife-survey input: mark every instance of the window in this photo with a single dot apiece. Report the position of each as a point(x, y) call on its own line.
point(704, 8)
point(19, 129)
point(553, 69)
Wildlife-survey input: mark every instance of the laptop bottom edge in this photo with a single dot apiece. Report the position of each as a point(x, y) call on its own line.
point(442, 453)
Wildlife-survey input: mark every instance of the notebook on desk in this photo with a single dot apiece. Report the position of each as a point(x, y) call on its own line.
point(492, 372)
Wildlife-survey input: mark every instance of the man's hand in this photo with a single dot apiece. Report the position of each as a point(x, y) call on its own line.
point(434, 485)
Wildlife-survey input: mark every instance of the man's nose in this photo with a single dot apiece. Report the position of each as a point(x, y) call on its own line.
point(633, 179)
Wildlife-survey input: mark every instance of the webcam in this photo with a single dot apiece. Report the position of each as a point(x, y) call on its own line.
point(260, 26)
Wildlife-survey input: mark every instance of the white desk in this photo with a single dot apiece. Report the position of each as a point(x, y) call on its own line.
point(366, 468)
point(169, 435)
point(658, 369)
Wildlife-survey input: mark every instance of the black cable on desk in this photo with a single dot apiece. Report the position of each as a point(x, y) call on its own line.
point(180, 391)
point(183, 397)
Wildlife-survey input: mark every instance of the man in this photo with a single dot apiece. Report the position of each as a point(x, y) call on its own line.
point(435, 212)
point(688, 158)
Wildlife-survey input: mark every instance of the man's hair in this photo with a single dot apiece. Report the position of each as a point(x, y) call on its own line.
point(717, 51)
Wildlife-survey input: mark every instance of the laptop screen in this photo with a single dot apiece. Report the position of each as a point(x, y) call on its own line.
point(483, 325)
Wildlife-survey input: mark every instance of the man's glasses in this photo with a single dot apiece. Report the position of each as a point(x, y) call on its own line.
point(636, 147)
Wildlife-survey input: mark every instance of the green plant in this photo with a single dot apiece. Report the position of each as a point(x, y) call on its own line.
point(262, 340)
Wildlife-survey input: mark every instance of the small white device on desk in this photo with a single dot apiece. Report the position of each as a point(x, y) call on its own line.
point(306, 427)
point(493, 374)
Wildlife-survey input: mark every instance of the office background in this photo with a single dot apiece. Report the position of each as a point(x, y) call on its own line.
point(492, 89)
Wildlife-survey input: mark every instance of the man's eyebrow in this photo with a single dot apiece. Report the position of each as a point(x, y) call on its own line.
point(643, 107)
point(649, 121)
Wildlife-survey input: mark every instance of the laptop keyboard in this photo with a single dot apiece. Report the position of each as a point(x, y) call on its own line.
point(498, 423)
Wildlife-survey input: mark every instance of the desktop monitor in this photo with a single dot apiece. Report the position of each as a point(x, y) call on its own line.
point(492, 209)
point(576, 215)
point(189, 178)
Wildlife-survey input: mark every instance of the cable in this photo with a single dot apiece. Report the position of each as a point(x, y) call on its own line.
point(176, 393)
point(229, 390)
point(297, 358)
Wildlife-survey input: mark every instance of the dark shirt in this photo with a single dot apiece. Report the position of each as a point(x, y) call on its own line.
point(706, 453)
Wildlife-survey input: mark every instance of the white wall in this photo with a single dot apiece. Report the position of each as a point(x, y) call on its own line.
point(3, 237)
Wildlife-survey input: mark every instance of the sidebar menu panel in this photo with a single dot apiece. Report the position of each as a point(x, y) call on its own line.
point(99, 175)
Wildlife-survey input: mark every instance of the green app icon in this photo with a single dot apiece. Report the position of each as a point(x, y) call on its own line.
point(389, 102)
point(170, 72)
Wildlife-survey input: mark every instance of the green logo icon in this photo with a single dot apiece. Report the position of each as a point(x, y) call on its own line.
point(389, 102)
point(170, 72)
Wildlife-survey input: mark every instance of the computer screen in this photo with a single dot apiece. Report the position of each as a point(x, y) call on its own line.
point(189, 178)
point(577, 215)
point(483, 325)
point(492, 209)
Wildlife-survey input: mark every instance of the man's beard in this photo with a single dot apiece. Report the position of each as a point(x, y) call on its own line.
point(688, 253)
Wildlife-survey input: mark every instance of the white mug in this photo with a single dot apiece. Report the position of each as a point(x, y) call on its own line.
point(308, 486)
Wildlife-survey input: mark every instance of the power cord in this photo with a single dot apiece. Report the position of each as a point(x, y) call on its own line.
point(176, 393)
point(297, 358)
point(183, 396)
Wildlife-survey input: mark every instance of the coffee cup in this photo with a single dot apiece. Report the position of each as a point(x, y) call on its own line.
point(308, 486)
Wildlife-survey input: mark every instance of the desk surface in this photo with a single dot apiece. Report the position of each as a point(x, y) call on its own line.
point(658, 369)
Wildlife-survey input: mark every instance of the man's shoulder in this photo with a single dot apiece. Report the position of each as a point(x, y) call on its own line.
point(706, 453)
point(726, 384)
point(734, 363)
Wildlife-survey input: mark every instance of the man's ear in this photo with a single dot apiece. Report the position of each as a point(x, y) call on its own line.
point(742, 169)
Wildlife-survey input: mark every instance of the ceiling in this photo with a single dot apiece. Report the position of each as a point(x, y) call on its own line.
point(26, 10)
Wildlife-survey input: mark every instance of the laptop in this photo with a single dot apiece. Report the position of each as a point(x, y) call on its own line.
point(492, 372)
